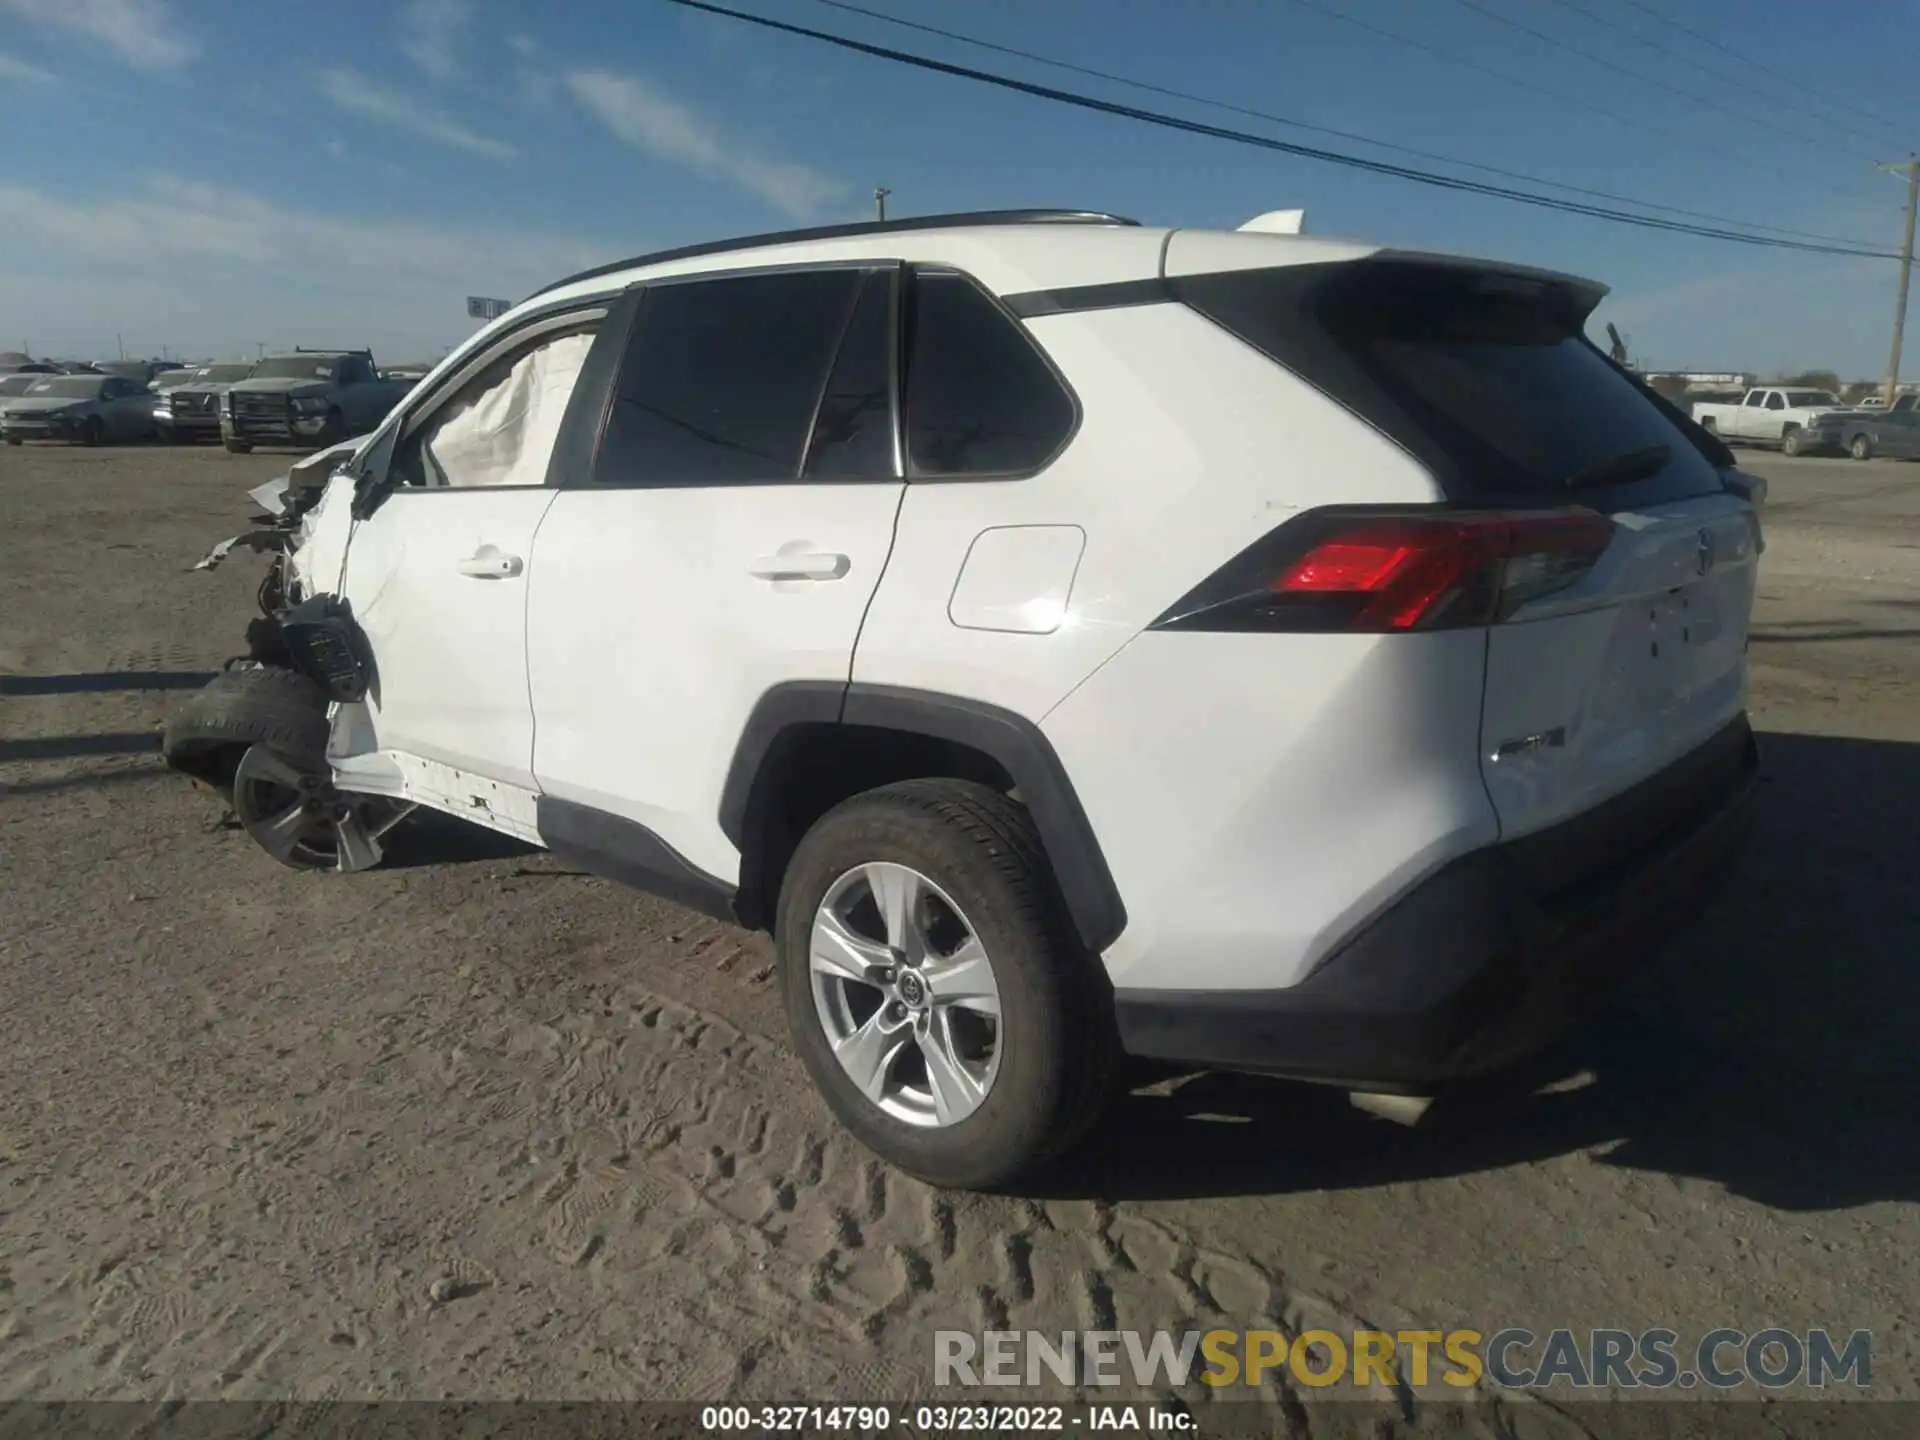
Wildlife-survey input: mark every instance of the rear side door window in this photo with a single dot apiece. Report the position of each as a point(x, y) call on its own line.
point(723, 380)
point(1774, 402)
point(981, 399)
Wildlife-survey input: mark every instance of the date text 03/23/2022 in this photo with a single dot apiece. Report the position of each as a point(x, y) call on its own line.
point(940, 1419)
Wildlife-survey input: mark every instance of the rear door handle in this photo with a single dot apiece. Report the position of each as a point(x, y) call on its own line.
point(802, 565)
point(489, 564)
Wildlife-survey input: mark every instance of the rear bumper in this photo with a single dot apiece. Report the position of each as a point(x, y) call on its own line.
point(1490, 957)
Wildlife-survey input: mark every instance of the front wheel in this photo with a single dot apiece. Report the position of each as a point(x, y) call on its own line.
point(1861, 448)
point(935, 991)
point(238, 447)
point(1792, 442)
point(14, 440)
point(94, 432)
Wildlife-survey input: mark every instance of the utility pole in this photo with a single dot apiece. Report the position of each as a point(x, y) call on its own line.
point(881, 193)
point(1912, 168)
point(123, 344)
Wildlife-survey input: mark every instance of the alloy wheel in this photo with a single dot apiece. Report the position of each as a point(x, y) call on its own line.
point(906, 994)
point(299, 818)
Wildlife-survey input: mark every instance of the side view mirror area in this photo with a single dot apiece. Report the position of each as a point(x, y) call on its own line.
point(1749, 487)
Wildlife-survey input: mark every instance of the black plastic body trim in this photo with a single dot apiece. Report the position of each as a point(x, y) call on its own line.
point(619, 849)
point(786, 705)
point(1489, 958)
point(576, 450)
point(1072, 299)
point(905, 225)
point(1015, 742)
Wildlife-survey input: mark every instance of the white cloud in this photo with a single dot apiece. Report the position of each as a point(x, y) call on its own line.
point(80, 268)
point(170, 217)
point(145, 33)
point(637, 113)
point(431, 32)
point(351, 91)
point(15, 71)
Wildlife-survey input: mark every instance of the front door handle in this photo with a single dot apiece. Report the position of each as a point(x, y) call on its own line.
point(489, 564)
point(800, 565)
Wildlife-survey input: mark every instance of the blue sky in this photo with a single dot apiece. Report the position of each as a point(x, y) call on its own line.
point(210, 175)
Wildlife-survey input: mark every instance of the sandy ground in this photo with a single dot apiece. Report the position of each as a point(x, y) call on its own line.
point(474, 1126)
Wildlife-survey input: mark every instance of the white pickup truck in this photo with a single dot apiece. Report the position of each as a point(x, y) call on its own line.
point(1769, 416)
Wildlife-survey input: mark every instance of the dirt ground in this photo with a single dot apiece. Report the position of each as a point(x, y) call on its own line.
point(475, 1126)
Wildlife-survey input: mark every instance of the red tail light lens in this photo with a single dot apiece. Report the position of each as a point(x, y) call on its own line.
point(1359, 571)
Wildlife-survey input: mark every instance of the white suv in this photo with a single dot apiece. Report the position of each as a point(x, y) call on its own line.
point(1069, 638)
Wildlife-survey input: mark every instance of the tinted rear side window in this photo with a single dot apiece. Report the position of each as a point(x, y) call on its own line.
point(721, 379)
point(980, 398)
point(1487, 379)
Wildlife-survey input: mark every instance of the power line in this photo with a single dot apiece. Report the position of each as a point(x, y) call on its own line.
point(1731, 78)
point(1264, 142)
point(1328, 130)
point(1797, 81)
point(1631, 74)
point(1664, 132)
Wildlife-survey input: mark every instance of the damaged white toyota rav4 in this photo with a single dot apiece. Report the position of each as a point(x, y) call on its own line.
point(1070, 639)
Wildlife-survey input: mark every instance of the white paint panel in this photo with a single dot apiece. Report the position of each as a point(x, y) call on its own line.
point(1017, 578)
point(1258, 798)
point(449, 648)
point(1192, 446)
point(651, 637)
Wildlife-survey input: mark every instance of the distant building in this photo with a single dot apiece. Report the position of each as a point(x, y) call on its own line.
point(1703, 377)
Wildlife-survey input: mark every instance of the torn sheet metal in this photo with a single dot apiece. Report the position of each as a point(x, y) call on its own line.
point(261, 541)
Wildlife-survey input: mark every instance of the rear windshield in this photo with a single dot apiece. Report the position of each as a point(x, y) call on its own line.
point(1487, 379)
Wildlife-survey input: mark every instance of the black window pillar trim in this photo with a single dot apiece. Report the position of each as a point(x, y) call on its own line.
point(1012, 741)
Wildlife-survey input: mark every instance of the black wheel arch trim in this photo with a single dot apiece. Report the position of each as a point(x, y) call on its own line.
point(1014, 742)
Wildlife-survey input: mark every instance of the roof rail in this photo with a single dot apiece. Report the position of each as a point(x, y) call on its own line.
point(331, 350)
point(841, 232)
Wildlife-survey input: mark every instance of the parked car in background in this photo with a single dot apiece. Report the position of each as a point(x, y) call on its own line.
point(188, 408)
point(1865, 433)
point(1692, 398)
point(1769, 415)
point(90, 409)
point(308, 397)
point(16, 382)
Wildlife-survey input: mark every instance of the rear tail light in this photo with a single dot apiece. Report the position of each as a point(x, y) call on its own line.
point(1380, 572)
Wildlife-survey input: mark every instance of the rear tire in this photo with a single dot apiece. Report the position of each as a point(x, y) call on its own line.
point(15, 440)
point(237, 447)
point(1861, 448)
point(238, 709)
point(1710, 425)
point(1041, 1082)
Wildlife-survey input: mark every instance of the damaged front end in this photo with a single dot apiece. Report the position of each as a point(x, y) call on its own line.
point(303, 529)
point(259, 732)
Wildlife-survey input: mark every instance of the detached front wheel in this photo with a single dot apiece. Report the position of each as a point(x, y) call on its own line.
point(1792, 442)
point(935, 991)
point(1861, 448)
